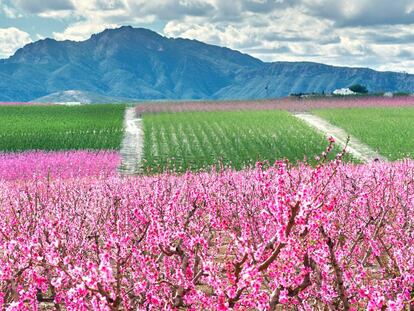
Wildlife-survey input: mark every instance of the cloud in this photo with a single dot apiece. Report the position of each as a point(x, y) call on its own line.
point(266, 6)
point(56, 14)
point(11, 39)
point(171, 9)
point(256, 31)
point(10, 12)
point(276, 50)
point(95, 15)
point(37, 7)
point(224, 35)
point(406, 54)
point(353, 13)
point(81, 31)
point(379, 38)
point(347, 32)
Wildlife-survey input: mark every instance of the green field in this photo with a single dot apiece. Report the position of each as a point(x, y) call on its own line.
point(61, 127)
point(389, 131)
point(196, 140)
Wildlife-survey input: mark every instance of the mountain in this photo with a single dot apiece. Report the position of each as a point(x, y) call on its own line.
point(283, 78)
point(83, 97)
point(139, 63)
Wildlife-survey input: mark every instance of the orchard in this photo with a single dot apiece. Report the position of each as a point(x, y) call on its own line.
point(333, 236)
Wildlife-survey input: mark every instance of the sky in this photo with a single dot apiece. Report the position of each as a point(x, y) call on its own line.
point(358, 33)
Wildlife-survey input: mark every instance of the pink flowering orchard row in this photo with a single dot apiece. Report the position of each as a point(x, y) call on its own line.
point(336, 237)
point(24, 104)
point(292, 104)
point(61, 164)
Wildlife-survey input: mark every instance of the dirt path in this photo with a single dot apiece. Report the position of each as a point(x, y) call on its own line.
point(132, 144)
point(355, 147)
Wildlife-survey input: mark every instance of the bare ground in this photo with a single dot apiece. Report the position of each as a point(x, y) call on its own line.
point(132, 144)
point(355, 147)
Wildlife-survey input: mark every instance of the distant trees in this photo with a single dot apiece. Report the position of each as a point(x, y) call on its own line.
point(303, 95)
point(358, 88)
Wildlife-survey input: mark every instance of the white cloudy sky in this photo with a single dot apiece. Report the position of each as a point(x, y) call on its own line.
point(373, 33)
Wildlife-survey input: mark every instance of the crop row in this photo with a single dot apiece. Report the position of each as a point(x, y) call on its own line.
point(338, 237)
point(197, 140)
point(61, 127)
point(388, 131)
point(181, 141)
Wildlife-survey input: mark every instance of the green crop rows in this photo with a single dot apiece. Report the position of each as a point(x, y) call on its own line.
point(61, 127)
point(390, 131)
point(196, 140)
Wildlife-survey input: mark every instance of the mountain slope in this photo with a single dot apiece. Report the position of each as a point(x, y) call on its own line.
point(139, 63)
point(284, 78)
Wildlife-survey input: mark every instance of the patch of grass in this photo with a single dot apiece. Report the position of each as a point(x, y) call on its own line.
point(61, 127)
point(389, 131)
point(197, 140)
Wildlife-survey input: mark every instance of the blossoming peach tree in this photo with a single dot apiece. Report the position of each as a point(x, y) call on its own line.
point(334, 237)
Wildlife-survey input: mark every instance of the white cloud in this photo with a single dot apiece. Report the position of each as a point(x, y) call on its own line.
point(94, 16)
point(294, 33)
point(224, 35)
point(61, 14)
point(275, 32)
point(350, 32)
point(81, 31)
point(11, 39)
point(10, 12)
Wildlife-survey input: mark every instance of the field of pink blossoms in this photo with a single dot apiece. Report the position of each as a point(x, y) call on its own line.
point(334, 237)
point(58, 164)
point(24, 104)
point(291, 104)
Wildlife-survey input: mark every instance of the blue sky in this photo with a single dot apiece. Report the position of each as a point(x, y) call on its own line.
point(369, 33)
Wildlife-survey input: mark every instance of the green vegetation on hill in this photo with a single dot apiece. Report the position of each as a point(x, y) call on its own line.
point(196, 140)
point(61, 127)
point(358, 88)
point(390, 131)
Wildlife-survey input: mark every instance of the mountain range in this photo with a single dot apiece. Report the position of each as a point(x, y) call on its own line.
point(139, 64)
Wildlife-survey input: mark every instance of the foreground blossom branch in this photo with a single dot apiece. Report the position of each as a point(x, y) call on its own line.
point(276, 252)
